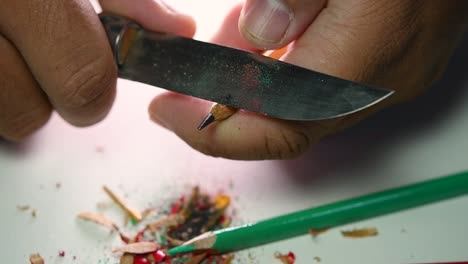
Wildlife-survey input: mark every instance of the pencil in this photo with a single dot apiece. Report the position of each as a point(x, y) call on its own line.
point(327, 216)
point(219, 112)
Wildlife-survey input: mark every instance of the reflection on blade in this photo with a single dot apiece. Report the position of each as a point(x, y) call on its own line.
point(243, 80)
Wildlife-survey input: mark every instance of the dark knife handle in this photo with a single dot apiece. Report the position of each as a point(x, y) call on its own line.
point(121, 33)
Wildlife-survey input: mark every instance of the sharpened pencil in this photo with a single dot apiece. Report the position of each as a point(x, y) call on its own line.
point(219, 112)
point(327, 216)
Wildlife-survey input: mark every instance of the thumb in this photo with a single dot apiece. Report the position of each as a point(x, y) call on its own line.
point(271, 24)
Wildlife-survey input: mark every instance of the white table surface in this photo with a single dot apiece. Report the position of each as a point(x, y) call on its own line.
point(412, 142)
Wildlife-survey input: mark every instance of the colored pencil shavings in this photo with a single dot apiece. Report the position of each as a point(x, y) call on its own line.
point(133, 213)
point(186, 218)
point(36, 259)
point(167, 221)
point(98, 219)
point(127, 259)
point(137, 248)
point(316, 232)
point(23, 208)
point(289, 258)
point(359, 233)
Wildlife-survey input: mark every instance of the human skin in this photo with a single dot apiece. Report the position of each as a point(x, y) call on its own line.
point(54, 55)
point(402, 45)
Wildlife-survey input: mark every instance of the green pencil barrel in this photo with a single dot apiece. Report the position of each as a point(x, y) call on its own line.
point(341, 213)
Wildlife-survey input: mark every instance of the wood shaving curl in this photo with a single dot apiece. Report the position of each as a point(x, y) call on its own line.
point(98, 219)
point(196, 259)
point(23, 208)
point(137, 248)
point(135, 214)
point(316, 232)
point(36, 259)
point(127, 259)
point(174, 241)
point(168, 221)
point(359, 233)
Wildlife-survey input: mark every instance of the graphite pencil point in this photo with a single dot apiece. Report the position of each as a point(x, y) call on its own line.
point(210, 118)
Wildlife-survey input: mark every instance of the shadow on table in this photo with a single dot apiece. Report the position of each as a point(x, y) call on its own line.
point(16, 149)
point(12, 148)
point(366, 142)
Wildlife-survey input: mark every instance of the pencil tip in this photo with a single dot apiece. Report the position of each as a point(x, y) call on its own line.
point(210, 118)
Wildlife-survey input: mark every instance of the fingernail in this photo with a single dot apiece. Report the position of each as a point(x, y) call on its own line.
point(267, 20)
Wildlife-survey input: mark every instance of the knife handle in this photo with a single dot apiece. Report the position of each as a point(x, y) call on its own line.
point(121, 33)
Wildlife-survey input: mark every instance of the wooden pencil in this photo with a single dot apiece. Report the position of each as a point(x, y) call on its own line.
point(219, 112)
point(327, 216)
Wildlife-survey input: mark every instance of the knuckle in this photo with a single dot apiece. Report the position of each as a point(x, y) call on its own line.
point(286, 144)
point(85, 85)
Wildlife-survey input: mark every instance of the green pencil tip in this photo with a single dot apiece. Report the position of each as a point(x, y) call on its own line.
point(180, 250)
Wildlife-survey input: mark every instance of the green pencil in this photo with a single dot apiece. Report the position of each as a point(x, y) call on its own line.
point(327, 216)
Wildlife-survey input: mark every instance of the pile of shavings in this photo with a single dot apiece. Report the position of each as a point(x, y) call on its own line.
point(187, 218)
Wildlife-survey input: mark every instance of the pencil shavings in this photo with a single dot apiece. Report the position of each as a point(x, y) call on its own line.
point(185, 218)
point(36, 259)
point(23, 208)
point(222, 202)
point(135, 214)
point(289, 258)
point(316, 232)
point(196, 259)
point(98, 219)
point(137, 248)
point(168, 221)
point(229, 259)
point(360, 233)
point(174, 241)
point(147, 212)
point(127, 259)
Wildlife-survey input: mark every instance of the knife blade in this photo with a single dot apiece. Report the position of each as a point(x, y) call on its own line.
point(233, 77)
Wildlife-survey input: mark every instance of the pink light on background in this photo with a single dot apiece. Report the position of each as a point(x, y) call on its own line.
point(207, 13)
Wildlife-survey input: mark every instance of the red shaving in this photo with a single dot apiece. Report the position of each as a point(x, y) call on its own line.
point(289, 258)
point(124, 238)
point(140, 260)
point(201, 205)
point(61, 253)
point(175, 208)
point(139, 236)
point(316, 232)
point(159, 256)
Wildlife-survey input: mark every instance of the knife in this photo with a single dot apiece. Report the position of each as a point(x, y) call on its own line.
point(232, 77)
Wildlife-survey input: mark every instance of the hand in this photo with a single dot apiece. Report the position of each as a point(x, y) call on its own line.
point(55, 55)
point(402, 45)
